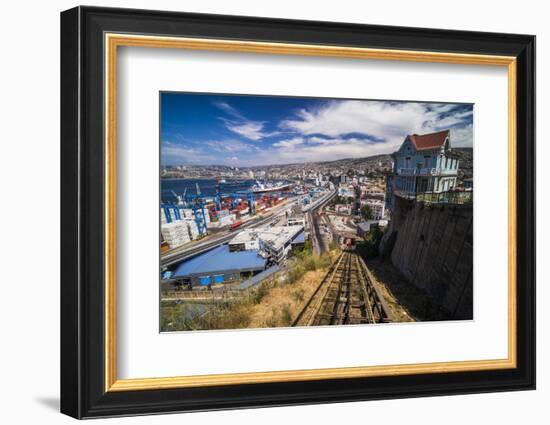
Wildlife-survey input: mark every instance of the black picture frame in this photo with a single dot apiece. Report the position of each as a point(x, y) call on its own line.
point(82, 212)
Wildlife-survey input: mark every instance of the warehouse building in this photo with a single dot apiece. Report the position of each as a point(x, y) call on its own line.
point(219, 265)
point(274, 242)
point(245, 240)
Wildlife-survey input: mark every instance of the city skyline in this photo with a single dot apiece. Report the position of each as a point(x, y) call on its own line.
point(246, 131)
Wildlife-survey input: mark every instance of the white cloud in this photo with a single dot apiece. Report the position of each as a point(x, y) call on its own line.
point(227, 145)
point(208, 152)
point(290, 143)
point(316, 149)
point(334, 130)
point(462, 137)
point(251, 129)
point(321, 140)
point(227, 108)
point(387, 121)
point(449, 121)
point(441, 108)
point(183, 154)
point(338, 118)
point(239, 124)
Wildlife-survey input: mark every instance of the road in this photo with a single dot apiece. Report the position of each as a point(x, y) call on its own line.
point(317, 240)
point(319, 245)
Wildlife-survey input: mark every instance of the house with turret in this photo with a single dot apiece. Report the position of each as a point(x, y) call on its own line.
point(423, 164)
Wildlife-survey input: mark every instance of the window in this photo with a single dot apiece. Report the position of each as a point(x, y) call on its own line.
point(427, 159)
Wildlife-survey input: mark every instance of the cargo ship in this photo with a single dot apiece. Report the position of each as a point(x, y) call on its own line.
point(269, 187)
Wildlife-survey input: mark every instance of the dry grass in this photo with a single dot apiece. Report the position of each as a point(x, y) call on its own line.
point(283, 302)
point(273, 303)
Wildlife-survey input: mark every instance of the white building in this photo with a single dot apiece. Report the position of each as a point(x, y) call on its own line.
point(377, 207)
point(275, 242)
point(245, 240)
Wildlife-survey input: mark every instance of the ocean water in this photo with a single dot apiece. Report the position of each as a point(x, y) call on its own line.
point(207, 187)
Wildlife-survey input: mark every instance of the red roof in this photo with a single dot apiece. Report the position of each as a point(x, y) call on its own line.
point(429, 141)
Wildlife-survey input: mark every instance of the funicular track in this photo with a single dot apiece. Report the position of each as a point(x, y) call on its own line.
point(346, 295)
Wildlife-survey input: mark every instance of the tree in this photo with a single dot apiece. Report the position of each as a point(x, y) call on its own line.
point(369, 247)
point(366, 212)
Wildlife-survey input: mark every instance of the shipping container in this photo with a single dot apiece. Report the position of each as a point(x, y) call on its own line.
point(236, 225)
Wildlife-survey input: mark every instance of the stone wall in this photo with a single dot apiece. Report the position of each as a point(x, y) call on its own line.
point(432, 246)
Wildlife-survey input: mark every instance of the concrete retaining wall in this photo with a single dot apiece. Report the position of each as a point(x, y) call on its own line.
point(432, 246)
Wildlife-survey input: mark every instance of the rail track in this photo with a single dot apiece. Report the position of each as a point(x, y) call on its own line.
point(345, 295)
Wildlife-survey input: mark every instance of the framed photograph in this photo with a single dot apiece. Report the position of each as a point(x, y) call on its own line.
point(261, 212)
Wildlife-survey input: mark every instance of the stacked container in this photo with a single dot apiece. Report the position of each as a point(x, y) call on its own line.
point(186, 213)
point(206, 216)
point(193, 228)
point(163, 215)
point(223, 213)
point(226, 220)
point(175, 233)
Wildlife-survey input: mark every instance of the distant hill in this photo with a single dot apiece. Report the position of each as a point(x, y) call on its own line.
point(466, 162)
point(358, 162)
point(376, 163)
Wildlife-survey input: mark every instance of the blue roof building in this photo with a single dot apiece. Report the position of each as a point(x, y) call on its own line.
point(219, 265)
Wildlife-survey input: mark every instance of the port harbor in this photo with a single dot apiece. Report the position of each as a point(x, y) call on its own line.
point(336, 243)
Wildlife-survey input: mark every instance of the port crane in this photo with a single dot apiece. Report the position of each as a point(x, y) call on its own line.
point(188, 201)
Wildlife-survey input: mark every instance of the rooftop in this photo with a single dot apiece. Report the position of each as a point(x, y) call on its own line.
point(276, 235)
point(219, 260)
point(245, 236)
point(366, 225)
point(301, 238)
point(429, 141)
point(370, 201)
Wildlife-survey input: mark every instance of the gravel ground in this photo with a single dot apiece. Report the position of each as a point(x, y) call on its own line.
point(407, 302)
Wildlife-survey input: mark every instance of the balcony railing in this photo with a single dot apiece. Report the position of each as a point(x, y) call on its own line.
point(425, 172)
point(450, 197)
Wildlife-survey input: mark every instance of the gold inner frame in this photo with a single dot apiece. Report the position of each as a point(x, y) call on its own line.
point(113, 41)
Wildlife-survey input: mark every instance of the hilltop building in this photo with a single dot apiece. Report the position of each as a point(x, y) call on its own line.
point(423, 163)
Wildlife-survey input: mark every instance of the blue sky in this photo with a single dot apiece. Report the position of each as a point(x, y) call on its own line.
point(205, 129)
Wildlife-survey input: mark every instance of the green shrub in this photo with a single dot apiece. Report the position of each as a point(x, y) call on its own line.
point(286, 315)
point(259, 293)
point(299, 294)
point(369, 247)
